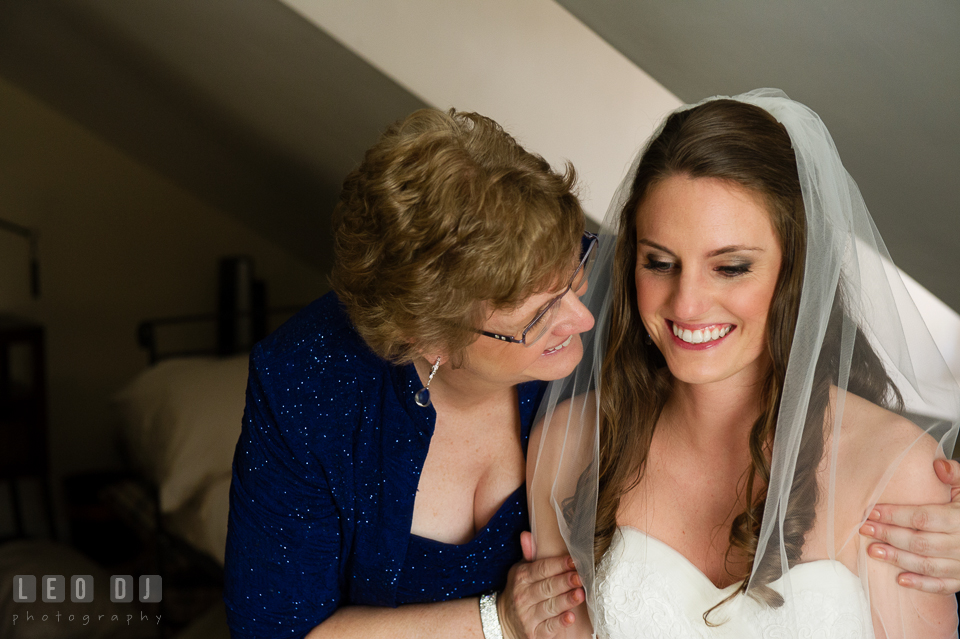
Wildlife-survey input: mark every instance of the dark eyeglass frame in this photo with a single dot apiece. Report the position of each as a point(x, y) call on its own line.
point(588, 245)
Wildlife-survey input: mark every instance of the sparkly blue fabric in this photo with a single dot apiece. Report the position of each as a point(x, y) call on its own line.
point(434, 571)
point(324, 479)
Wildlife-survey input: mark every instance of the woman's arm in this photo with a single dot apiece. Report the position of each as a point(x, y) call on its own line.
point(922, 540)
point(282, 571)
point(532, 606)
point(549, 542)
point(899, 612)
point(457, 618)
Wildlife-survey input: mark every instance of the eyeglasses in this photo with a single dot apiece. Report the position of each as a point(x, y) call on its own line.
point(548, 313)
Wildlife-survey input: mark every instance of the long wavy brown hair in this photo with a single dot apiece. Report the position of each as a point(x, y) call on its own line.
point(745, 145)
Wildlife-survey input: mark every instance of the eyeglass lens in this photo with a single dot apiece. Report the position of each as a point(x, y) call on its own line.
point(545, 319)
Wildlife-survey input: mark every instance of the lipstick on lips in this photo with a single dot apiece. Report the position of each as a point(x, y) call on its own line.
point(701, 336)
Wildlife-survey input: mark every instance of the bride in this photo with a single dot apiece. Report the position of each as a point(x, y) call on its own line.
point(759, 380)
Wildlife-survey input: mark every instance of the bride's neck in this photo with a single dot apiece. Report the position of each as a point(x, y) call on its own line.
point(711, 415)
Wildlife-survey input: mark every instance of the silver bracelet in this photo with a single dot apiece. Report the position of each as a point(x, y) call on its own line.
point(489, 618)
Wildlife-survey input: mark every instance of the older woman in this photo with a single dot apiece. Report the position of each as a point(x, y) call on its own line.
point(761, 381)
point(378, 481)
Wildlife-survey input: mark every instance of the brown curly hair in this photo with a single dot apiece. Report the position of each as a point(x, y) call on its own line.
point(447, 219)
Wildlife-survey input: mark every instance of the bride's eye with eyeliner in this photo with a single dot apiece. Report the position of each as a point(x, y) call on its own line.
point(734, 270)
point(651, 263)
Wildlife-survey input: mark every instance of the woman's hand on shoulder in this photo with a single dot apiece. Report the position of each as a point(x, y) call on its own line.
point(897, 610)
point(924, 540)
point(540, 595)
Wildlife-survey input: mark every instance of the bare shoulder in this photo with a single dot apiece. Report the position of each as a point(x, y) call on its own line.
point(914, 480)
point(900, 454)
point(894, 448)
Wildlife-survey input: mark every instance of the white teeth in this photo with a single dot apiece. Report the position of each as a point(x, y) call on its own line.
point(699, 336)
point(556, 348)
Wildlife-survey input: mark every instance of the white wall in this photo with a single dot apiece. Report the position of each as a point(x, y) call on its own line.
point(119, 243)
point(528, 64)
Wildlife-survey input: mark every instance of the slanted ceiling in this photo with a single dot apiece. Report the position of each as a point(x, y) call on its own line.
point(256, 110)
point(241, 102)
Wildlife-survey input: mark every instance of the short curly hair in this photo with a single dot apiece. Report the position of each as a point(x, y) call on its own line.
point(447, 219)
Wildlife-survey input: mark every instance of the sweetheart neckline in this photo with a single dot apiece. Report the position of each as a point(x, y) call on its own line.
point(837, 565)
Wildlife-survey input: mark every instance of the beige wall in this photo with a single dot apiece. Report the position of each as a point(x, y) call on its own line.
point(119, 244)
point(550, 80)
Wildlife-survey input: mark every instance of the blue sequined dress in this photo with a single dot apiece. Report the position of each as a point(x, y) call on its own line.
point(324, 480)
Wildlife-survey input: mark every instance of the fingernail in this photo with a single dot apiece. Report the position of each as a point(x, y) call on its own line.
point(874, 515)
point(576, 580)
point(570, 563)
point(868, 529)
point(879, 552)
point(905, 581)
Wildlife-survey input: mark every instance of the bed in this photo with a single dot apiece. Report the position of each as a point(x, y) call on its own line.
point(180, 422)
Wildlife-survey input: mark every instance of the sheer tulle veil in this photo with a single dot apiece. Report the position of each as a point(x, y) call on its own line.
point(843, 249)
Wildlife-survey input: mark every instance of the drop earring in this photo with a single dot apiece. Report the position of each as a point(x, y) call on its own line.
point(422, 397)
point(648, 340)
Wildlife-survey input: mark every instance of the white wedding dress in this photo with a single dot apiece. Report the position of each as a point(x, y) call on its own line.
point(647, 589)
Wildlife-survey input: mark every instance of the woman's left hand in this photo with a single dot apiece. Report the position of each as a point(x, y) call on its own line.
point(922, 540)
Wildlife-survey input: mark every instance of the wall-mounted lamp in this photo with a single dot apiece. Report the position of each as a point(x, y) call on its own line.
point(32, 236)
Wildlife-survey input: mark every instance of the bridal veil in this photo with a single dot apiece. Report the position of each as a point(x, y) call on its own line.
point(844, 252)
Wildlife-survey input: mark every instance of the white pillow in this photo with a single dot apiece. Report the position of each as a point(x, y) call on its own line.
point(182, 422)
point(203, 521)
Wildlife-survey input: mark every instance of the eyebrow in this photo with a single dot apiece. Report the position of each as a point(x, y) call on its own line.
point(733, 248)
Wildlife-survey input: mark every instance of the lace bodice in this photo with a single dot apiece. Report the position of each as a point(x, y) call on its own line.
point(647, 589)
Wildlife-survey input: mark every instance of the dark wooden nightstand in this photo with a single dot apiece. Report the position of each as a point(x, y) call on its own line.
point(23, 412)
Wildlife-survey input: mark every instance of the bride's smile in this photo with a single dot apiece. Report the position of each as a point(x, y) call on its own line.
point(704, 336)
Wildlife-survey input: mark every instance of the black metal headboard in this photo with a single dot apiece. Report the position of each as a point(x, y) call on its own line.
point(223, 325)
point(242, 318)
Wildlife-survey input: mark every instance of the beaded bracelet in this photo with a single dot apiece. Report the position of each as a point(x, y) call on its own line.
point(489, 618)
